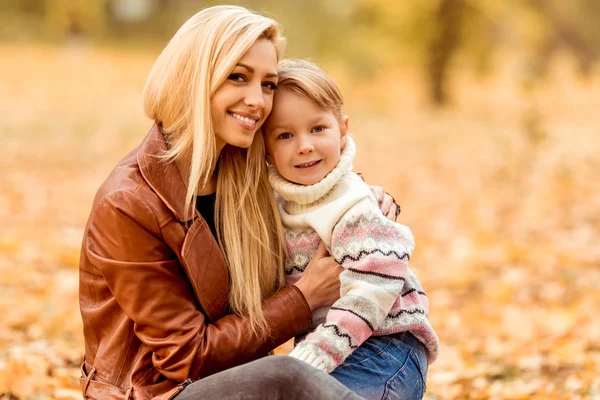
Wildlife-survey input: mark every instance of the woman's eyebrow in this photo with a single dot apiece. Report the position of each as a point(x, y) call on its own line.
point(251, 70)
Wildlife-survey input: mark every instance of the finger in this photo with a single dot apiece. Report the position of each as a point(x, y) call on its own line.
point(387, 204)
point(378, 192)
point(321, 250)
point(391, 214)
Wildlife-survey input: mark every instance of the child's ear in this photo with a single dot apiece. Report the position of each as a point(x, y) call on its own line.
point(343, 131)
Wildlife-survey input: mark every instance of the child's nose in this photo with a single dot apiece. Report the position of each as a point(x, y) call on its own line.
point(305, 147)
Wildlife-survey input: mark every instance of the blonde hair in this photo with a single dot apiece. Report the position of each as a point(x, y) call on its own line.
point(197, 60)
point(309, 80)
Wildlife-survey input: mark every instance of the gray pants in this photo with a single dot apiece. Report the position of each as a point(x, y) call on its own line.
point(269, 378)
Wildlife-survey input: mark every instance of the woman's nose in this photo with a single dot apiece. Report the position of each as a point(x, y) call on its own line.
point(255, 97)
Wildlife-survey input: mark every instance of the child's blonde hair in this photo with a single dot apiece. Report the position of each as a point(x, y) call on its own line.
point(197, 60)
point(309, 80)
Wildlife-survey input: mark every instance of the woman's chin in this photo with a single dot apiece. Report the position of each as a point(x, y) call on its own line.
point(242, 142)
point(245, 144)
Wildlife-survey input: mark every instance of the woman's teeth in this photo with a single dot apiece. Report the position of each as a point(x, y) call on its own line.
point(243, 119)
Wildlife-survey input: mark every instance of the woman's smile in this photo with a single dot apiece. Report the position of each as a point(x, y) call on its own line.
point(247, 121)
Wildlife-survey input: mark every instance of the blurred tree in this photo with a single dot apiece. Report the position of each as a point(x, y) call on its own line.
point(444, 44)
point(573, 27)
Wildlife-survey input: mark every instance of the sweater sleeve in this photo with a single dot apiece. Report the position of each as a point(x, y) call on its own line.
point(374, 253)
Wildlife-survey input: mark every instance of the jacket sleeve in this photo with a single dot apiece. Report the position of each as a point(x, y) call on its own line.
point(123, 241)
point(374, 253)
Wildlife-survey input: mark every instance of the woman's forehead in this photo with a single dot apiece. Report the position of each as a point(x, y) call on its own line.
point(261, 58)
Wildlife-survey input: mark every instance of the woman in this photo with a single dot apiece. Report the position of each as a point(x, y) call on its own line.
point(167, 293)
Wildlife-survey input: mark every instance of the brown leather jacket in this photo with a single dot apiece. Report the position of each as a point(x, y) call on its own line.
point(154, 293)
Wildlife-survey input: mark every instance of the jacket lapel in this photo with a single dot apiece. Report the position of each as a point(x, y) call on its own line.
point(205, 265)
point(162, 177)
point(200, 255)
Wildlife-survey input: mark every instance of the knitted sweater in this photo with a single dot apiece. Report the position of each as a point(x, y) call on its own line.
point(379, 293)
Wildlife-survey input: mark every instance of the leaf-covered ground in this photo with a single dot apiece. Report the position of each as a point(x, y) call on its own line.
point(501, 191)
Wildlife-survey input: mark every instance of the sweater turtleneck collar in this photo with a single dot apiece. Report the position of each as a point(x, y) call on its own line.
point(309, 194)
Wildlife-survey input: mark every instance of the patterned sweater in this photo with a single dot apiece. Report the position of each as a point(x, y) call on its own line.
point(379, 293)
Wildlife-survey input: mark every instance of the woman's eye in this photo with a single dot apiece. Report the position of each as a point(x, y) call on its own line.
point(270, 85)
point(319, 128)
point(285, 135)
point(237, 78)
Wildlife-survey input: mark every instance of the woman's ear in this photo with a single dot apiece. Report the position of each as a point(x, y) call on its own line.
point(343, 131)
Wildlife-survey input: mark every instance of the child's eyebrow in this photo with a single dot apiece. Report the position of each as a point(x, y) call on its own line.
point(318, 118)
point(273, 127)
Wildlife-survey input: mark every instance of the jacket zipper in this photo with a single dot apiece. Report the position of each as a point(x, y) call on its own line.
point(185, 383)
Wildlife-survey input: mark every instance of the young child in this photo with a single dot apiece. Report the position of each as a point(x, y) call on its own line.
point(376, 339)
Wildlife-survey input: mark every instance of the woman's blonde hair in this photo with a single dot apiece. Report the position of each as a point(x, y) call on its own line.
point(309, 80)
point(178, 93)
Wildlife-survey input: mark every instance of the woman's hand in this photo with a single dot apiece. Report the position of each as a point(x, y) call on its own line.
point(386, 202)
point(320, 282)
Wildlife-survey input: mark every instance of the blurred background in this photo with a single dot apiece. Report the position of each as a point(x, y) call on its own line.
point(479, 116)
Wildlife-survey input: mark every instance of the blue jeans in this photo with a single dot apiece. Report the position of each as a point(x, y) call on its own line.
point(390, 367)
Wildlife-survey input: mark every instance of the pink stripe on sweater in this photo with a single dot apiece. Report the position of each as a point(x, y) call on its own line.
point(380, 264)
point(344, 236)
point(410, 300)
point(355, 326)
point(306, 250)
point(425, 302)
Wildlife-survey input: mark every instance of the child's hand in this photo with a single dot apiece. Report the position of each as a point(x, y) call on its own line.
point(320, 281)
point(386, 202)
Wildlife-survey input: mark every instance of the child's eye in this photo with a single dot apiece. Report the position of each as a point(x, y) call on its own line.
point(270, 86)
point(237, 77)
point(318, 128)
point(285, 135)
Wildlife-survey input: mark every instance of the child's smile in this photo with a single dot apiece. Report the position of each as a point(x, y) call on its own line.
point(308, 164)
